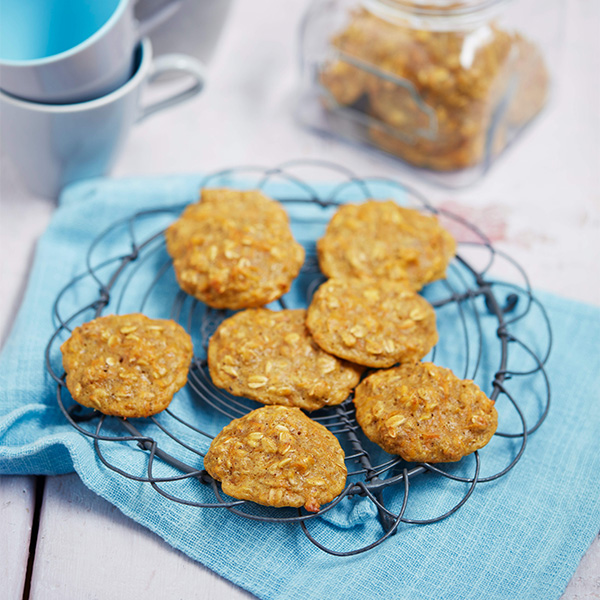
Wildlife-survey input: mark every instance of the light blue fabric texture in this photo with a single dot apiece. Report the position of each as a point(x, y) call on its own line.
point(521, 536)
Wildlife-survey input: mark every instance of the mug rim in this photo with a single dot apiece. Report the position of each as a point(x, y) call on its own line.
point(145, 48)
point(34, 62)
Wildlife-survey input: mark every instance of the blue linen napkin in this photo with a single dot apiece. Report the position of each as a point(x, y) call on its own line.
point(521, 536)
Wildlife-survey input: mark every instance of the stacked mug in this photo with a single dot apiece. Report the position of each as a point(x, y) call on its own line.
point(71, 76)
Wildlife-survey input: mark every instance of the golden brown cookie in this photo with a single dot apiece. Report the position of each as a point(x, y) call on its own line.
point(533, 83)
point(269, 356)
point(345, 82)
point(432, 154)
point(375, 323)
point(234, 249)
point(127, 365)
point(424, 413)
point(277, 456)
point(385, 241)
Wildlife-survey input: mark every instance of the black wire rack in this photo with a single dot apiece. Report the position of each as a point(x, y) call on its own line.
point(485, 335)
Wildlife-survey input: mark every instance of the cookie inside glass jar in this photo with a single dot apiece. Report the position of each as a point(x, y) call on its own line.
point(441, 84)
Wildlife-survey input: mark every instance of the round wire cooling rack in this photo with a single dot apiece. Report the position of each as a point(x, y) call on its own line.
point(491, 331)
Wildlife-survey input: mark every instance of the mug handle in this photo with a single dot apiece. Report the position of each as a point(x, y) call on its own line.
point(175, 63)
point(161, 14)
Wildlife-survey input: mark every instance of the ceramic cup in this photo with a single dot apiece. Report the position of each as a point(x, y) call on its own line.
point(194, 29)
point(67, 51)
point(55, 144)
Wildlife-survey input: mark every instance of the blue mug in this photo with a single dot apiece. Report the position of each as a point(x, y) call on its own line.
point(68, 51)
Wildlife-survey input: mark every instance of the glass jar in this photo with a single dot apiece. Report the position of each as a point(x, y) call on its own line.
point(444, 85)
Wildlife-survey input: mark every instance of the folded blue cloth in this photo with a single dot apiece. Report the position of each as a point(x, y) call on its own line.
point(520, 536)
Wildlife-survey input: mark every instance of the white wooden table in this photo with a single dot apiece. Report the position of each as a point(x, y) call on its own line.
point(57, 539)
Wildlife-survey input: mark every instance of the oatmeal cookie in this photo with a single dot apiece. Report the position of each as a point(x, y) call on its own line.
point(345, 82)
point(234, 249)
point(533, 83)
point(375, 323)
point(424, 413)
point(127, 365)
point(269, 356)
point(277, 456)
point(431, 154)
point(385, 241)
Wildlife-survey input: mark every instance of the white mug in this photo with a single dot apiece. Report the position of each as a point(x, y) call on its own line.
point(194, 29)
point(66, 51)
point(52, 145)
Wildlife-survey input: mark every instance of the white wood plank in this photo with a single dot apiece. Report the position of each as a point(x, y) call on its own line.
point(585, 584)
point(17, 502)
point(88, 549)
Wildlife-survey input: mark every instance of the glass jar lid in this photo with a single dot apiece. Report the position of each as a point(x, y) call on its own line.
point(436, 15)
